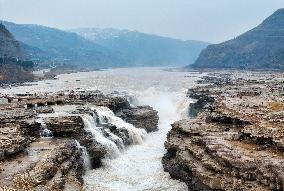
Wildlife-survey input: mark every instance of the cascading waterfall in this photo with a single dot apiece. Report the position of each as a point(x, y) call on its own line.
point(112, 142)
point(85, 156)
point(117, 140)
point(132, 99)
point(139, 167)
point(44, 131)
point(90, 125)
point(105, 116)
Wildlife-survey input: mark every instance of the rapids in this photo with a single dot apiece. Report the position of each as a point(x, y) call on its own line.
point(138, 167)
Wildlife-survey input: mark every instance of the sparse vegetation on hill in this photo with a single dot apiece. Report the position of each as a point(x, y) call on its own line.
point(259, 48)
point(12, 68)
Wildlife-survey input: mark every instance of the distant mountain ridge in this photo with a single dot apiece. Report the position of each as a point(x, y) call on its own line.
point(141, 49)
point(54, 45)
point(259, 48)
point(102, 48)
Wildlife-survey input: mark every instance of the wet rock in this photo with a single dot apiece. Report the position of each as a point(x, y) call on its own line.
point(144, 117)
point(124, 135)
point(96, 151)
point(117, 103)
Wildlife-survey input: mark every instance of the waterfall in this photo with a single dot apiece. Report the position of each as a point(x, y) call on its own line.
point(112, 132)
point(98, 136)
point(117, 140)
point(85, 156)
point(106, 116)
point(44, 131)
point(132, 99)
point(139, 167)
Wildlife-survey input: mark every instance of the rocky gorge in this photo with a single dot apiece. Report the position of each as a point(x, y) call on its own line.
point(48, 141)
point(234, 138)
point(85, 139)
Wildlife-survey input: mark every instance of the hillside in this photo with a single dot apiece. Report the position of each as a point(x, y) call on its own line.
point(102, 48)
point(12, 68)
point(259, 48)
point(140, 49)
point(62, 47)
point(9, 47)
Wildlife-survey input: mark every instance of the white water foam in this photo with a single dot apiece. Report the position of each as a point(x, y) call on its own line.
point(105, 115)
point(90, 125)
point(139, 168)
point(85, 156)
point(44, 131)
point(117, 140)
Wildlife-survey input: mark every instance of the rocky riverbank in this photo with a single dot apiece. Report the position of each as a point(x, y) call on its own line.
point(47, 142)
point(235, 138)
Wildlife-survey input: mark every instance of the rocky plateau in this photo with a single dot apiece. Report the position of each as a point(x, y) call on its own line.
point(234, 139)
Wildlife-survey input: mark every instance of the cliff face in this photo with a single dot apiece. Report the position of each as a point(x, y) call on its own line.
point(236, 140)
point(9, 47)
point(259, 48)
point(12, 68)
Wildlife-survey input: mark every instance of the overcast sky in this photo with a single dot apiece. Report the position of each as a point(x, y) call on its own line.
point(207, 20)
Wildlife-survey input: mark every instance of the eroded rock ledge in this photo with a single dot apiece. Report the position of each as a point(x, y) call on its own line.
point(236, 141)
point(138, 115)
point(30, 162)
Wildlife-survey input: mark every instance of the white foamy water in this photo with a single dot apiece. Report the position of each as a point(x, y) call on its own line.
point(85, 156)
point(98, 136)
point(44, 132)
point(139, 167)
point(107, 116)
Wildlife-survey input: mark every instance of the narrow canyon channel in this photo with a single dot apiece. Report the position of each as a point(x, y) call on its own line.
point(138, 167)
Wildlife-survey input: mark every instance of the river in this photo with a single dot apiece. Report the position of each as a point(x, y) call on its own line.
point(139, 167)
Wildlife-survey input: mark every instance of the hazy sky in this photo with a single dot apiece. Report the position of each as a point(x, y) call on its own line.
point(208, 20)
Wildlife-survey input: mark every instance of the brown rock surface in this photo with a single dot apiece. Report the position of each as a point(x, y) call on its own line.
point(48, 165)
point(143, 117)
point(31, 162)
point(64, 125)
point(234, 143)
point(12, 141)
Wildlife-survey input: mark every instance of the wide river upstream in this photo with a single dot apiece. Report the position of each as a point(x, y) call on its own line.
point(139, 167)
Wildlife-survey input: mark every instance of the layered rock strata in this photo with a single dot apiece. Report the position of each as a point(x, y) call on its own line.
point(43, 149)
point(139, 115)
point(236, 141)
